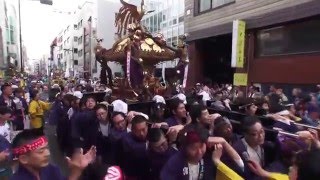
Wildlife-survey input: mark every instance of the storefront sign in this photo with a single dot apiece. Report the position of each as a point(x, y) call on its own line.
point(238, 43)
point(240, 79)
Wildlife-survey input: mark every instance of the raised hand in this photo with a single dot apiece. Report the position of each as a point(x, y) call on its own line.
point(212, 141)
point(79, 161)
point(173, 132)
point(217, 153)
point(4, 155)
point(159, 125)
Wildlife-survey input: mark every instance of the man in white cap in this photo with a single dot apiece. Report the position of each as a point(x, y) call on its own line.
point(158, 99)
point(181, 97)
point(78, 94)
point(158, 109)
point(122, 107)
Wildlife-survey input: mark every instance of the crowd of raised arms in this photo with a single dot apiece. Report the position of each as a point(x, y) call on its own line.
point(212, 132)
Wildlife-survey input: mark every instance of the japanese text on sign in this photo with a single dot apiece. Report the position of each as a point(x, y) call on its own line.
point(240, 79)
point(238, 43)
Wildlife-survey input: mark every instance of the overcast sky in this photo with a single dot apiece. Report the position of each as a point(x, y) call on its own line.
point(40, 23)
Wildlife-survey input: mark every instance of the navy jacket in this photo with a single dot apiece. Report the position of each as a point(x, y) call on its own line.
point(84, 129)
point(3, 103)
point(56, 112)
point(50, 172)
point(135, 162)
point(176, 168)
point(158, 160)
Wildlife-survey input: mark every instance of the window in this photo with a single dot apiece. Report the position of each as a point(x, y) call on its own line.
point(181, 19)
point(151, 24)
point(159, 19)
point(80, 40)
point(174, 21)
point(205, 5)
point(164, 25)
point(75, 50)
point(303, 37)
point(155, 22)
point(174, 39)
point(12, 39)
point(75, 38)
point(80, 53)
point(75, 26)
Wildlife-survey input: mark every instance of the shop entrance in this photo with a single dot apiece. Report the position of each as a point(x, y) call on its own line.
point(216, 58)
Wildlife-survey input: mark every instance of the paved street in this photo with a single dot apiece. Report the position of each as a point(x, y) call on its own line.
point(56, 156)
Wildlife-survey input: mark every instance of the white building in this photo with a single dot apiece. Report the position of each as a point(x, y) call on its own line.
point(9, 35)
point(95, 19)
point(72, 50)
point(3, 51)
point(106, 13)
point(75, 44)
point(167, 19)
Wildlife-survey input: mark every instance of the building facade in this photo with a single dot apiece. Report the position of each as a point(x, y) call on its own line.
point(282, 44)
point(9, 36)
point(105, 29)
point(75, 44)
point(3, 50)
point(167, 18)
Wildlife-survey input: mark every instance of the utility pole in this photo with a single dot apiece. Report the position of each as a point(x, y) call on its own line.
point(20, 39)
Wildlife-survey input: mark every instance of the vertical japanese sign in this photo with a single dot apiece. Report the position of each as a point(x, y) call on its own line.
point(240, 79)
point(238, 43)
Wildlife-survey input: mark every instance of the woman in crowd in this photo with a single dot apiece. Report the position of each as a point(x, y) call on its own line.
point(37, 109)
point(103, 128)
point(83, 126)
point(21, 109)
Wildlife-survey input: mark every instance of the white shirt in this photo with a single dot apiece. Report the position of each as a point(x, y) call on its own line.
point(104, 128)
point(70, 113)
point(18, 103)
point(5, 131)
point(193, 171)
point(255, 154)
point(205, 96)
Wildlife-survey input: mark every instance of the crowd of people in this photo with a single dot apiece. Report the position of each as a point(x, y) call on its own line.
point(190, 135)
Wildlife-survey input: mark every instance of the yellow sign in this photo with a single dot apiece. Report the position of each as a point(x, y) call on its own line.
point(238, 43)
point(240, 79)
point(1, 74)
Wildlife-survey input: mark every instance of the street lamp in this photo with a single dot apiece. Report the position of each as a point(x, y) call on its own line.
point(47, 2)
